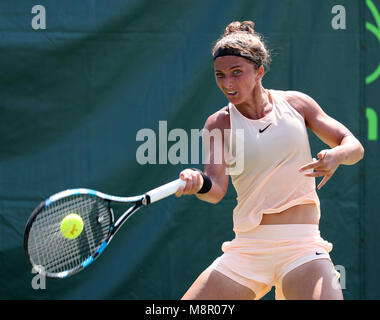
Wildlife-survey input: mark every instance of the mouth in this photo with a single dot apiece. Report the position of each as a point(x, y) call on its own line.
point(230, 93)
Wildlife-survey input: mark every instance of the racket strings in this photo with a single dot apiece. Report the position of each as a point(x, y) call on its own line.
point(47, 246)
point(63, 257)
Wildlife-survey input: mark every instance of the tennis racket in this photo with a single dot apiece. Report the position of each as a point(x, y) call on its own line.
point(55, 256)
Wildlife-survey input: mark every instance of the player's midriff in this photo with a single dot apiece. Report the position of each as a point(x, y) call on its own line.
point(300, 214)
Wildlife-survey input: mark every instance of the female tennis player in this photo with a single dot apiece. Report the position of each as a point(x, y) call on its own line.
point(276, 220)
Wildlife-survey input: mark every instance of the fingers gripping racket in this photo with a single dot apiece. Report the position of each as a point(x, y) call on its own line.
point(57, 254)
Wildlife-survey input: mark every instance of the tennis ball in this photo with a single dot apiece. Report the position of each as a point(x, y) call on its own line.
point(72, 226)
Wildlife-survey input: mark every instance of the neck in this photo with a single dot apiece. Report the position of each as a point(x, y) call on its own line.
point(258, 106)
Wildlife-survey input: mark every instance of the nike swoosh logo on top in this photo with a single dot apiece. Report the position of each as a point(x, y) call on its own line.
point(318, 253)
point(262, 130)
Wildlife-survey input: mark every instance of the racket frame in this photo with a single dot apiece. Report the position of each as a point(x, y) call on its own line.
point(138, 201)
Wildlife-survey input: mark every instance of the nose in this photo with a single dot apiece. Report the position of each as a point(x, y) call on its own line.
point(227, 83)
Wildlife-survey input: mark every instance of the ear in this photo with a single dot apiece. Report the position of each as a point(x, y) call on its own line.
point(260, 73)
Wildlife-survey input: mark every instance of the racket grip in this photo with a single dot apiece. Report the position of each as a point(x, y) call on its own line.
point(165, 190)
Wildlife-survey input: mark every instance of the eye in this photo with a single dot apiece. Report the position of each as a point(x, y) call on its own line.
point(219, 75)
point(236, 72)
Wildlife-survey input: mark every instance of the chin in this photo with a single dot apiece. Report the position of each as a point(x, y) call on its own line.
point(233, 100)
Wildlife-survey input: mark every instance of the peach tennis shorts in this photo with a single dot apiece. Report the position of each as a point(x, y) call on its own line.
point(261, 258)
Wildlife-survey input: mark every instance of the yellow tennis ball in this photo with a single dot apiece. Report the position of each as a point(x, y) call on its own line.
point(72, 226)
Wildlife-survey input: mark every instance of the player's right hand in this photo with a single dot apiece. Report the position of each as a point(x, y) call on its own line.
point(194, 182)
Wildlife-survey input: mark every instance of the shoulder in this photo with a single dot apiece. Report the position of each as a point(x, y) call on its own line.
point(303, 103)
point(218, 120)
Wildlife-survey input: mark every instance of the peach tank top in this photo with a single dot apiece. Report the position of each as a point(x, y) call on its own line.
point(274, 148)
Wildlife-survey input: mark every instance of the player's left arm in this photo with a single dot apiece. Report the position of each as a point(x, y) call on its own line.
point(345, 148)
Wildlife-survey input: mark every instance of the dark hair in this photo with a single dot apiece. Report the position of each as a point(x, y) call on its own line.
point(240, 39)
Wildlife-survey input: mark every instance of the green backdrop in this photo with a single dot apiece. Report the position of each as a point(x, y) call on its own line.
point(75, 94)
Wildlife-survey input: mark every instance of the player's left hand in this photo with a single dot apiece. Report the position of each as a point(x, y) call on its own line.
point(326, 165)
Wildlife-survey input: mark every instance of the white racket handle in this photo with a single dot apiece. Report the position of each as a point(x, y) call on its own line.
point(165, 190)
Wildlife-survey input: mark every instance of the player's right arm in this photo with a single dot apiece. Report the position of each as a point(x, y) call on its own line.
point(215, 166)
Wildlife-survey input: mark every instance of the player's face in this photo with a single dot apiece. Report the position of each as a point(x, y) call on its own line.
point(236, 77)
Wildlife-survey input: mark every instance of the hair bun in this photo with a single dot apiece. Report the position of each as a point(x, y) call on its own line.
point(237, 26)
